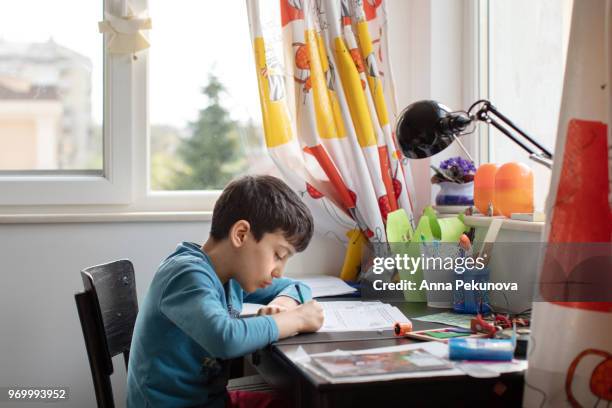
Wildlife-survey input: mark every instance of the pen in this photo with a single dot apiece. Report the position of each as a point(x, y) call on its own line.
point(299, 291)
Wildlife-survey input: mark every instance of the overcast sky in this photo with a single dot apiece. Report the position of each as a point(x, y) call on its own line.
point(189, 38)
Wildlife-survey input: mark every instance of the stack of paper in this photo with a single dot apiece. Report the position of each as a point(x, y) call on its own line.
point(322, 286)
point(360, 316)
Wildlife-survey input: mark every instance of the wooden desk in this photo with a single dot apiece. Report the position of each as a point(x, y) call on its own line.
point(306, 389)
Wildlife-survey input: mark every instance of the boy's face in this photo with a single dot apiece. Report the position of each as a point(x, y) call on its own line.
point(257, 263)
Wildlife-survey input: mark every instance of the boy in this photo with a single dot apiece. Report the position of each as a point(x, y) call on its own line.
point(188, 325)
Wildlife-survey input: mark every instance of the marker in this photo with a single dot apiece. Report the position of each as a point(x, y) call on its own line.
point(401, 329)
point(299, 291)
point(465, 246)
point(464, 242)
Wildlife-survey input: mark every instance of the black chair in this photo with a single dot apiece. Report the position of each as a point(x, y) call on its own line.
point(107, 310)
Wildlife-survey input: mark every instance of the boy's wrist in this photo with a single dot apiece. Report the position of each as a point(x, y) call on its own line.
point(301, 322)
point(289, 323)
point(285, 301)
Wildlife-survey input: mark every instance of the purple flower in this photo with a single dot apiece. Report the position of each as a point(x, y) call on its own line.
point(455, 169)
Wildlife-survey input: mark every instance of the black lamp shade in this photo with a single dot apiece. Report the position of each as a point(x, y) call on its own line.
point(420, 132)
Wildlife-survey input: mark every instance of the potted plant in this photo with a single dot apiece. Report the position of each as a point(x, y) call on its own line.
point(455, 176)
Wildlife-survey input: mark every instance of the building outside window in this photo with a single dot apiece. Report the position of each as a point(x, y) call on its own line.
point(50, 88)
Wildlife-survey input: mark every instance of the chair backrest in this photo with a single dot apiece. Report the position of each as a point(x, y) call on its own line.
point(107, 310)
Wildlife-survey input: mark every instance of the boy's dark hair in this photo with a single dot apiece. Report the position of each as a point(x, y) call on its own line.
point(268, 204)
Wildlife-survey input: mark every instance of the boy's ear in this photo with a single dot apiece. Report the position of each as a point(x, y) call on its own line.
point(238, 233)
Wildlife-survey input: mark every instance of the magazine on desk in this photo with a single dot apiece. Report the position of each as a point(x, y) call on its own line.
point(405, 361)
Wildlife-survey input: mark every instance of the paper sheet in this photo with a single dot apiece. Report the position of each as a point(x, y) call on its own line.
point(320, 285)
point(353, 315)
point(326, 286)
point(250, 309)
point(447, 318)
point(344, 304)
point(360, 316)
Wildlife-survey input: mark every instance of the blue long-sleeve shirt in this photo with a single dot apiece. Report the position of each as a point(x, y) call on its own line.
point(188, 326)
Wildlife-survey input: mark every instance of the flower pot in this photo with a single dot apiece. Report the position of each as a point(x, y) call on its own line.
point(455, 193)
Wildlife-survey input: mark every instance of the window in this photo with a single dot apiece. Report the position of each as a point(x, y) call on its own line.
point(162, 130)
point(55, 81)
point(144, 132)
point(205, 120)
point(524, 68)
point(50, 88)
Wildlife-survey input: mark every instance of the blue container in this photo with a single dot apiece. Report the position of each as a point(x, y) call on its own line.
point(481, 349)
point(471, 301)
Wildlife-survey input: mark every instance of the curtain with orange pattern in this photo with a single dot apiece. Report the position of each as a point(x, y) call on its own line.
point(328, 109)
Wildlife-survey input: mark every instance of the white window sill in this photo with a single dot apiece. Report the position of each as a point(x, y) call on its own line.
point(527, 226)
point(61, 218)
point(186, 216)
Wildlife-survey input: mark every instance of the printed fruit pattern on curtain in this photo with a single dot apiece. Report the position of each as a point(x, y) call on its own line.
point(328, 109)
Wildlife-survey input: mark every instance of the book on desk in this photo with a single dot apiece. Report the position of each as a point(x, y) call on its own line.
point(405, 361)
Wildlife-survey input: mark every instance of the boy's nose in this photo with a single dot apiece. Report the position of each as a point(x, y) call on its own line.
point(277, 273)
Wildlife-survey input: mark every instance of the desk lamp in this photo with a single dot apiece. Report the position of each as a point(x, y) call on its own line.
point(428, 127)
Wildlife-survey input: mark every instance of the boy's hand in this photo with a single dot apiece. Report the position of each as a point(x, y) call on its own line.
point(305, 318)
point(271, 309)
point(311, 314)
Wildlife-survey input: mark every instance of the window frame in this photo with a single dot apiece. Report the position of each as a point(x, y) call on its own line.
point(483, 22)
point(144, 198)
point(477, 74)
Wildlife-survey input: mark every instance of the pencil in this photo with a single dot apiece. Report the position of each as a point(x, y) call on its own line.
point(299, 291)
